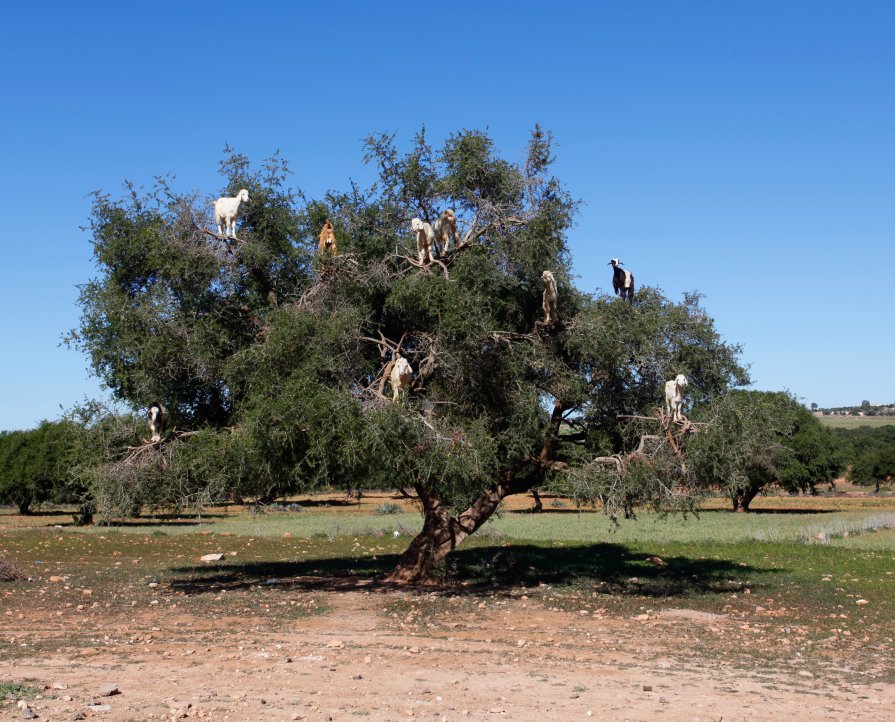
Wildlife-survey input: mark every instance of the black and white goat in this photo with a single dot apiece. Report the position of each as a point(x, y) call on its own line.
point(157, 417)
point(622, 280)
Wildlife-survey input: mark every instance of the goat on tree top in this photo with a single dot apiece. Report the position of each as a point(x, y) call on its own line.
point(280, 355)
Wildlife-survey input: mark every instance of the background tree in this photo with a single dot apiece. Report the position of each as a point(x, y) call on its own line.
point(281, 358)
point(874, 466)
point(869, 451)
point(34, 465)
point(753, 439)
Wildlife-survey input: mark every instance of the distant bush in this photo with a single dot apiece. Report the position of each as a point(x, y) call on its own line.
point(388, 508)
point(285, 507)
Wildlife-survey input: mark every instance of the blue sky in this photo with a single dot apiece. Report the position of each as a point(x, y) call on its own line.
point(744, 149)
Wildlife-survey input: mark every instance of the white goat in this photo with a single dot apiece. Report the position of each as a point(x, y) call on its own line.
point(425, 239)
point(157, 418)
point(400, 376)
point(550, 300)
point(674, 397)
point(226, 209)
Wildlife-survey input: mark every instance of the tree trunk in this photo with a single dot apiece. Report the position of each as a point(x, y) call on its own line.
point(442, 533)
point(742, 500)
point(84, 516)
point(539, 506)
point(24, 507)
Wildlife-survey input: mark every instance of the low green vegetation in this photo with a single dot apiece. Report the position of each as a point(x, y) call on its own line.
point(388, 509)
point(13, 691)
point(852, 523)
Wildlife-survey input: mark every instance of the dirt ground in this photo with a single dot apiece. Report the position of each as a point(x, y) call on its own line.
point(389, 655)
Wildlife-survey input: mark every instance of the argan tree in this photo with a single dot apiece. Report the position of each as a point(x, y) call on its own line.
point(280, 357)
point(752, 440)
point(34, 465)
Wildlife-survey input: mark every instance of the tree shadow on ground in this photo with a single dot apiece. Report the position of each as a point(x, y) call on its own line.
point(612, 567)
point(553, 510)
point(770, 510)
point(161, 521)
point(34, 513)
point(312, 503)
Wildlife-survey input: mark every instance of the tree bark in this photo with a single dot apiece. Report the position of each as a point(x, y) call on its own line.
point(24, 507)
point(442, 533)
point(742, 500)
point(84, 516)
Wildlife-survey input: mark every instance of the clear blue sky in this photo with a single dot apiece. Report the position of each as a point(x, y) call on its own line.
point(744, 149)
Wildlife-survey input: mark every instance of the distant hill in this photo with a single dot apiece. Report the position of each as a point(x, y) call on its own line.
point(865, 408)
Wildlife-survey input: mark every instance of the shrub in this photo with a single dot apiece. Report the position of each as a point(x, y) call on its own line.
point(388, 508)
point(9, 572)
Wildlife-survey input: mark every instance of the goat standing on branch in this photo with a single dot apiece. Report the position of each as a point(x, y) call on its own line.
point(157, 418)
point(425, 238)
point(444, 229)
point(622, 280)
point(674, 397)
point(226, 210)
point(551, 298)
point(328, 239)
point(400, 377)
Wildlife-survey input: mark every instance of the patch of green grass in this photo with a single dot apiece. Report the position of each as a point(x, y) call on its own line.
point(11, 690)
point(562, 526)
point(709, 527)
